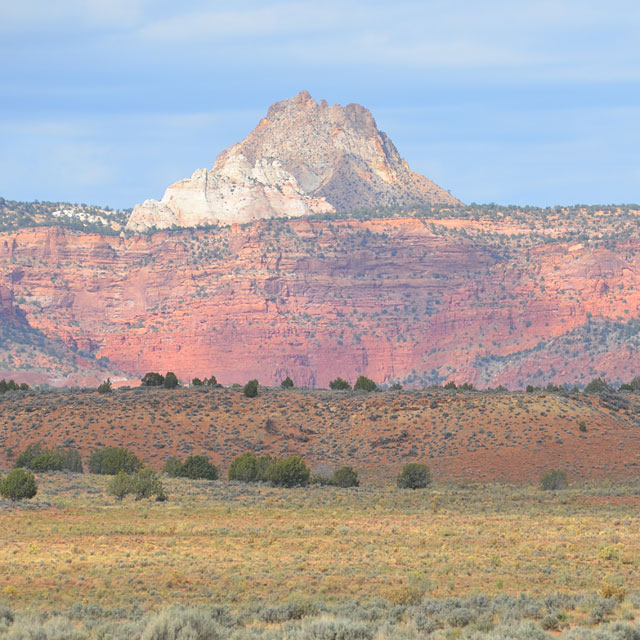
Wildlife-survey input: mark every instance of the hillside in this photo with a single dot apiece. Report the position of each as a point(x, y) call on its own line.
point(463, 436)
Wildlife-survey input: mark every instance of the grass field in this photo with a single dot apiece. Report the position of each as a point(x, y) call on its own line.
point(265, 553)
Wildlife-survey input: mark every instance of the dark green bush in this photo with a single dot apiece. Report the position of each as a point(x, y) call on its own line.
point(170, 380)
point(250, 468)
point(597, 385)
point(105, 387)
point(287, 383)
point(414, 476)
point(554, 480)
point(244, 468)
point(144, 484)
point(198, 468)
point(345, 477)
point(196, 382)
point(18, 485)
point(120, 485)
point(172, 467)
point(251, 389)
point(47, 461)
point(339, 385)
point(11, 385)
point(111, 460)
point(289, 472)
point(37, 458)
point(152, 379)
point(365, 384)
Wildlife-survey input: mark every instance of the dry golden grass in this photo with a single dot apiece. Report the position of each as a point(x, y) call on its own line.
point(242, 544)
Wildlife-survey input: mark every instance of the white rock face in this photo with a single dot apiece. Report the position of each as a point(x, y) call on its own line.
point(233, 192)
point(302, 158)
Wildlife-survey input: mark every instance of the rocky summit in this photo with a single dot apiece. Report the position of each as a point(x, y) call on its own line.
point(303, 158)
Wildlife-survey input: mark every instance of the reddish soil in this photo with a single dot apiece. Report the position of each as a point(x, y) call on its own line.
point(511, 437)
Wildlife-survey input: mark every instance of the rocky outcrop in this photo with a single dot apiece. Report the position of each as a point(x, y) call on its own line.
point(302, 158)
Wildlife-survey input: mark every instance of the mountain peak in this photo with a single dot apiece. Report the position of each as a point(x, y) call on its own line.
point(303, 157)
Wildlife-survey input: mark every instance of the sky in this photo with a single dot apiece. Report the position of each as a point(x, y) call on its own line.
point(534, 102)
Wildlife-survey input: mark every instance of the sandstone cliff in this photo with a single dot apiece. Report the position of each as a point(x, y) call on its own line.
point(502, 300)
point(302, 158)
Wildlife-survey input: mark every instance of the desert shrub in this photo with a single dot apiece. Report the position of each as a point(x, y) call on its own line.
point(597, 385)
point(244, 468)
point(250, 389)
point(345, 477)
point(146, 484)
point(339, 385)
point(553, 480)
point(211, 382)
point(287, 383)
point(172, 467)
point(37, 458)
point(365, 384)
point(396, 386)
point(152, 379)
point(550, 622)
point(198, 468)
point(196, 382)
point(41, 628)
point(170, 380)
point(105, 387)
point(11, 385)
point(179, 623)
point(120, 485)
point(450, 386)
point(414, 476)
point(46, 461)
point(289, 472)
point(111, 460)
point(31, 452)
point(18, 485)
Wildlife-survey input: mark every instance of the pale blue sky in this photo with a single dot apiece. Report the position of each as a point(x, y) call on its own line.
point(512, 101)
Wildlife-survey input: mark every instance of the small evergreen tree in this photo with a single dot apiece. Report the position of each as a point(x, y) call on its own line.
point(196, 382)
point(18, 485)
point(554, 480)
point(289, 472)
point(105, 387)
point(212, 382)
point(251, 389)
point(198, 468)
point(414, 476)
point(170, 380)
point(365, 384)
point(287, 383)
point(111, 460)
point(597, 385)
point(152, 379)
point(244, 468)
point(339, 385)
point(120, 485)
point(146, 483)
point(345, 477)
point(173, 467)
